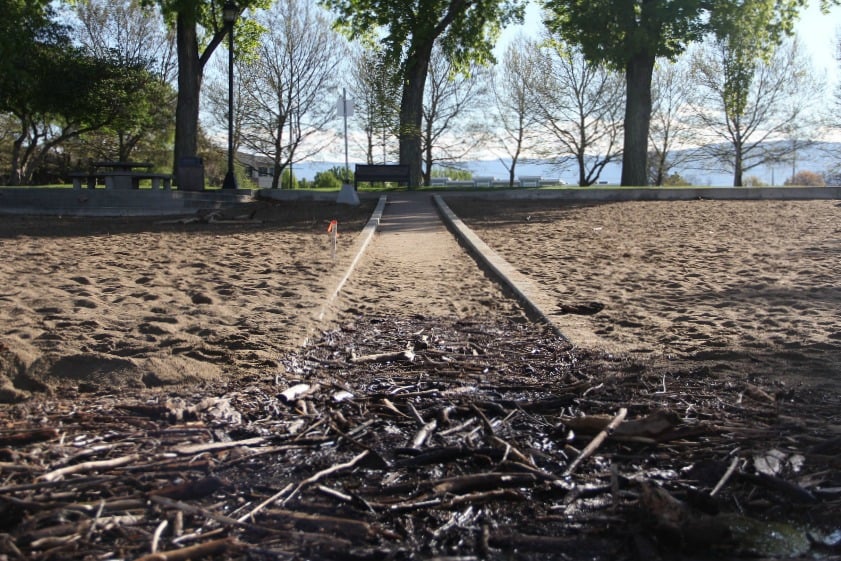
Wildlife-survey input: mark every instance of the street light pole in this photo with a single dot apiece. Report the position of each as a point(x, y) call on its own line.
point(229, 14)
point(345, 112)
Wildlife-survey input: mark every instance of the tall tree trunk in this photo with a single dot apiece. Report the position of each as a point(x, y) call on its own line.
point(637, 119)
point(189, 86)
point(738, 167)
point(411, 111)
point(16, 177)
point(581, 160)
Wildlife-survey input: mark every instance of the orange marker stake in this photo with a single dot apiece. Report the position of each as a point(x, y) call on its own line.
point(333, 232)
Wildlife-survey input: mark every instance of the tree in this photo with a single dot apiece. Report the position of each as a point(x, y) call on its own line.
point(283, 89)
point(806, 179)
point(193, 19)
point(453, 104)
point(516, 122)
point(754, 111)
point(375, 89)
point(132, 34)
point(55, 91)
point(465, 30)
point(630, 36)
point(580, 105)
point(671, 128)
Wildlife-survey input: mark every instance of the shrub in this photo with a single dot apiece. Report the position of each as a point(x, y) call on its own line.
point(806, 179)
point(753, 181)
point(326, 180)
point(675, 180)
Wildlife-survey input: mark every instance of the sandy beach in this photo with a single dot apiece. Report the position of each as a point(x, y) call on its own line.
point(191, 389)
point(147, 302)
point(738, 287)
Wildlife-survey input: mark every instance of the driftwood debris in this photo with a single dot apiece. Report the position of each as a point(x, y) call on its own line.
point(497, 440)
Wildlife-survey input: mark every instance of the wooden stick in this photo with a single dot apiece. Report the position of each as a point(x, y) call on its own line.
point(424, 433)
point(400, 356)
point(724, 478)
point(332, 469)
point(89, 466)
point(265, 503)
point(189, 449)
point(598, 440)
point(156, 537)
point(198, 551)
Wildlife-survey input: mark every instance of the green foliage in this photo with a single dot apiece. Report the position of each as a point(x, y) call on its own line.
point(465, 32)
point(284, 180)
point(453, 173)
point(58, 92)
point(630, 35)
point(331, 179)
point(468, 29)
point(615, 31)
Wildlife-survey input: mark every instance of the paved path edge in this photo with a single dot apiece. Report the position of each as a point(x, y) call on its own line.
point(522, 287)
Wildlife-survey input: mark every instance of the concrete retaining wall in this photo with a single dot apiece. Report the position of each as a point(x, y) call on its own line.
point(110, 202)
point(143, 202)
point(311, 195)
point(593, 194)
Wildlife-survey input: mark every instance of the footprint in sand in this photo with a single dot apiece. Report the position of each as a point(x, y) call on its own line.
point(200, 298)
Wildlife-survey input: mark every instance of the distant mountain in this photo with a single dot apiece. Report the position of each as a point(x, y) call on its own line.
point(821, 157)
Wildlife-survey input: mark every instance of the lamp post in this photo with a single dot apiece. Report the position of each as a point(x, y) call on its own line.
point(229, 15)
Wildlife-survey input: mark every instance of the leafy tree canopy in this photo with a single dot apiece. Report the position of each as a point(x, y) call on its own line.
point(207, 14)
point(612, 31)
point(467, 29)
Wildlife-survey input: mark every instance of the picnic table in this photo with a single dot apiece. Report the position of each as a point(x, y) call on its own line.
point(121, 175)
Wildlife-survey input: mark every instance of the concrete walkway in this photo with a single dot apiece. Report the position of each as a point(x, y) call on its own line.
point(418, 259)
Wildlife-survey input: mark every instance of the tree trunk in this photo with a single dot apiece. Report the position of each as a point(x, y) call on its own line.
point(580, 159)
point(17, 149)
point(411, 111)
point(189, 86)
point(738, 165)
point(637, 119)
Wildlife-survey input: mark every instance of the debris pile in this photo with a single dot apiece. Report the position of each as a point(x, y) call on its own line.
point(428, 438)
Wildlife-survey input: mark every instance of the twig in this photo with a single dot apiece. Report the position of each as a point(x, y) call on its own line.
point(89, 466)
point(265, 503)
point(213, 446)
point(726, 477)
point(401, 356)
point(157, 535)
point(332, 469)
point(198, 551)
point(424, 433)
point(597, 441)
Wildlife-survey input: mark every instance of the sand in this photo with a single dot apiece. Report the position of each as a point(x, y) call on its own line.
point(747, 288)
point(139, 303)
point(736, 287)
point(415, 267)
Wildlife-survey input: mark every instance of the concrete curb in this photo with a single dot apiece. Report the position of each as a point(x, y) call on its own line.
point(526, 291)
point(363, 240)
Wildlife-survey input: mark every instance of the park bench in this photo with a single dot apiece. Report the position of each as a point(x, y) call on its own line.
point(530, 180)
point(120, 175)
point(120, 179)
point(374, 173)
point(483, 181)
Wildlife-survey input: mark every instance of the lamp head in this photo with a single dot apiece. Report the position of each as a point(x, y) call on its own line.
point(230, 13)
